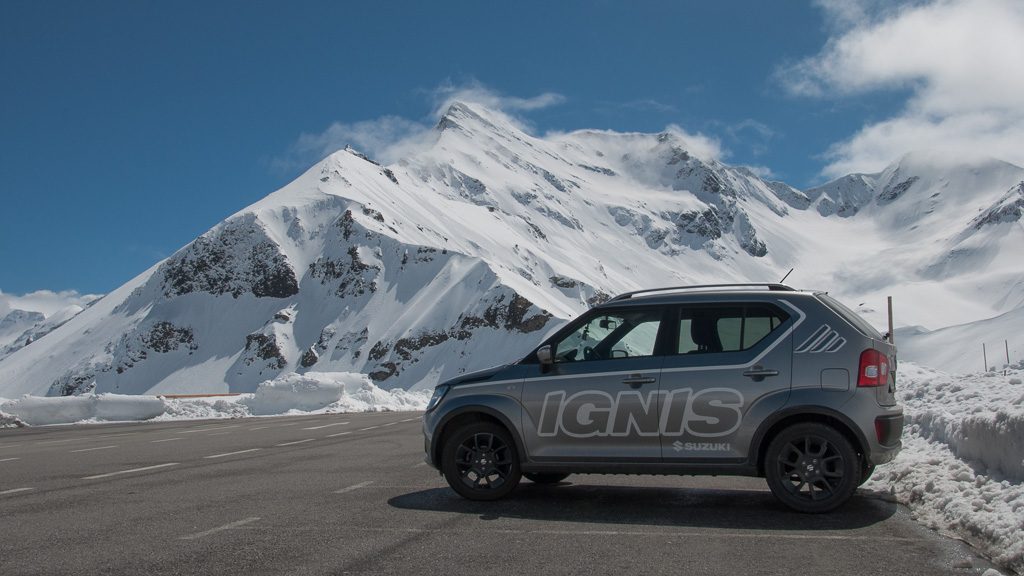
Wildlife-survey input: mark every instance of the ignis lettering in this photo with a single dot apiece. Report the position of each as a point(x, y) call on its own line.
point(707, 413)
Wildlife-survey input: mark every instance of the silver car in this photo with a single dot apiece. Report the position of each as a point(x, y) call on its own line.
point(752, 380)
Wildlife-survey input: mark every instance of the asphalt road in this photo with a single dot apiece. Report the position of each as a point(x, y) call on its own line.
point(349, 494)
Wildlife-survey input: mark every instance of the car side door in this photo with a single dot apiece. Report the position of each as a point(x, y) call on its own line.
point(729, 368)
point(598, 400)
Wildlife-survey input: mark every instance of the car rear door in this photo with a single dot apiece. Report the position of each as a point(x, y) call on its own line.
point(729, 368)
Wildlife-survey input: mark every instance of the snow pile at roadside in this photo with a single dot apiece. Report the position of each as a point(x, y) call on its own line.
point(37, 410)
point(331, 392)
point(961, 469)
point(9, 420)
point(314, 392)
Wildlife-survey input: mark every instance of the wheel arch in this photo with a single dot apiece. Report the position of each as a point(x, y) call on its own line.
point(800, 414)
point(473, 413)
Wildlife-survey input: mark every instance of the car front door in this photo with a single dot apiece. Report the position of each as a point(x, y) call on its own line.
point(730, 367)
point(598, 401)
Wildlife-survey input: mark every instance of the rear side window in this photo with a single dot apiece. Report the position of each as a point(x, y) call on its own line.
point(850, 316)
point(709, 329)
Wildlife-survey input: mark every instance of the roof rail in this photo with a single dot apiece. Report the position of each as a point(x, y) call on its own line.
point(767, 285)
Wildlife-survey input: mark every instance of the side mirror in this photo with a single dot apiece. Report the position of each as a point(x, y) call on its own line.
point(545, 357)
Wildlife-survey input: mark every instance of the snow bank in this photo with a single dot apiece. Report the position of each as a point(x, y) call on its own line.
point(35, 410)
point(10, 421)
point(329, 391)
point(962, 465)
point(313, 392)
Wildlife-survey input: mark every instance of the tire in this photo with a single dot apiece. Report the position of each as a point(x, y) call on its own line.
point(865, 473)
point(545, 477)
point(812, 468)
point(480, 462)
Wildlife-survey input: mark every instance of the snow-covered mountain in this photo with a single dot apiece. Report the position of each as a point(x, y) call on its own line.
point(19, 327)
point(470, 249)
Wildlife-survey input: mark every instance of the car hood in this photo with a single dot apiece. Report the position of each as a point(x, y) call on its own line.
point(478, 376)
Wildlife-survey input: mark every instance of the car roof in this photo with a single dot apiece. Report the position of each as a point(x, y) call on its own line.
point(706, 293)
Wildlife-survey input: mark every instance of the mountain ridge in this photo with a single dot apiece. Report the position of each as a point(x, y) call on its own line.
point(468, 250)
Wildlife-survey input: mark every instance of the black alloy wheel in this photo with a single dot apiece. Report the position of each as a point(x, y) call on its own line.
point(480, 461)
point(812, 468)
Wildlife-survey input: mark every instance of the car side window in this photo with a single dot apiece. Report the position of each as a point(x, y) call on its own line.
point(626, 334)
point(708, 329)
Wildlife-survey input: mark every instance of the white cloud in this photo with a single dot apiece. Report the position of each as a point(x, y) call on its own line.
point(476, 93)
point(696, 143)
point(378, 138)
point(959, 59)
point(45, 301)
point(390, 138)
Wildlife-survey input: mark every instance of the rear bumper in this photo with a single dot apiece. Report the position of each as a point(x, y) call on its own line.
point(887, 441)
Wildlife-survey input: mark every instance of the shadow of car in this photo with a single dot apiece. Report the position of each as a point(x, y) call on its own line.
point(652, 506)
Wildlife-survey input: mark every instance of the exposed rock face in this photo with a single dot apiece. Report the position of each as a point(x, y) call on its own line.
point(352, 276)
point(1009, 208)
point(264, 348)
point(235, 259)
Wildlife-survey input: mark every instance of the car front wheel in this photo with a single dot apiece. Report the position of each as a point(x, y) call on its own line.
point(480, 462)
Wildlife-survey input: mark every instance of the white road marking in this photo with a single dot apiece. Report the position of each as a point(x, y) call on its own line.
point(295, 442)
point(368, 428)
point(92, 449)
point(338, 434)
point(8, 459)
point(232, 453)
point(9, 445)
point(419, 465)
point(390, 424)
point(354, 487)
point(223, 433)
point(129, 471)
point(231, 526)
point(166, 440)
point(14, 491)
point(58, 441)
point(325, 426)
point(209, 429)
point(274, 426)
point(410, 420)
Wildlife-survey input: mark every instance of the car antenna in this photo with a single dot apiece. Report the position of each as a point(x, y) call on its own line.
point(786, 276)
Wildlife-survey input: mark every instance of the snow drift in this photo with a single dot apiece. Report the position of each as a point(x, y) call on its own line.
point(289, 394)
point(961, 469)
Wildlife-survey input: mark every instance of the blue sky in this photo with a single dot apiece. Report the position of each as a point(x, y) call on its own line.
point(129, 128)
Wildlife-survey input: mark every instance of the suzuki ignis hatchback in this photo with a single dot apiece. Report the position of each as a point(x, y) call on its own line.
point(755, 380)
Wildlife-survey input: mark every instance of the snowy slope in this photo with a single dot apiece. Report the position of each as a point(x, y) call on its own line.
point(19, 328)
point(473, 247)
point(958, 349)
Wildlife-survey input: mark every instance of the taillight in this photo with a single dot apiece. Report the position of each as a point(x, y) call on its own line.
point(874, 368)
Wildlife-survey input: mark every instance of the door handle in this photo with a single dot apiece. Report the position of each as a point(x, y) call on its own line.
point(637, 380)
point(759, 373)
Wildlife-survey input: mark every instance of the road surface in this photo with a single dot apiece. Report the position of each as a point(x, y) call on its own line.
point(349, 494)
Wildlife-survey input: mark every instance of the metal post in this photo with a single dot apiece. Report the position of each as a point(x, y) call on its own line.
point(892, 337)
point(984, 356)
point(1007, 344)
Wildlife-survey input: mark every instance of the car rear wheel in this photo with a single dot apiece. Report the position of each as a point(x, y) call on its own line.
point(545, 477)
point(480, 462)
point(812, 468)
